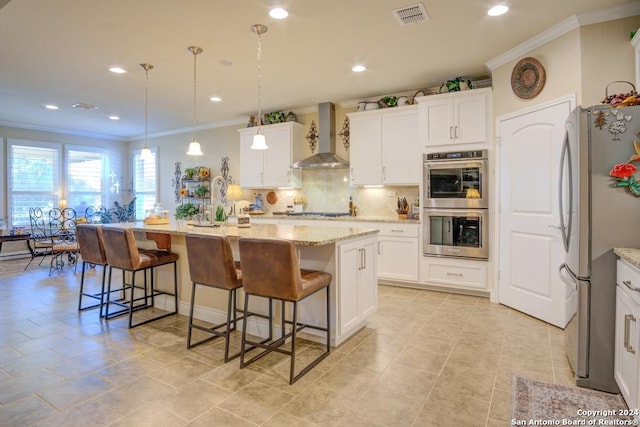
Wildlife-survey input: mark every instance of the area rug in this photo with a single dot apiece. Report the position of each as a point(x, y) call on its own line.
point(539, 403)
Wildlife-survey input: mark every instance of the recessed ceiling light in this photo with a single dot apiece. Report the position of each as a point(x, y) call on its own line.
point(215, 99)
point(51, 107)
point(226, 62)
point(358, 68)
point(278, 13)
point(117, 70)
point(498, 10)
point(85, 106)
point(114, 118)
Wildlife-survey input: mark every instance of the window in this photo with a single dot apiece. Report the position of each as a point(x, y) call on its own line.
point(34, 178)
point(144, 182)
point(85, 178)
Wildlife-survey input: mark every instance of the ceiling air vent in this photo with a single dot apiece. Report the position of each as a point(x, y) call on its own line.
point(411, 14)
point(84, 106)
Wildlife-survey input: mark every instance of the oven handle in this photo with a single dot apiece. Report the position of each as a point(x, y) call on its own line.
point(448, 164)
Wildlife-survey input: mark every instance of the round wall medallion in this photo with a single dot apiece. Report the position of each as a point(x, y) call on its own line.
point(528, 78)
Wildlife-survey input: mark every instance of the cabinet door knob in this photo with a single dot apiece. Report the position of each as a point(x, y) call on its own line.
point(627, 283)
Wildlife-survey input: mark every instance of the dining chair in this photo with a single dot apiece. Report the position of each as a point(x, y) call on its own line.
point(62, 226)
point(41, 243)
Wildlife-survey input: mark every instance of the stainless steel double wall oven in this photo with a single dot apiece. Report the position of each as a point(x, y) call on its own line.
point(456, 204)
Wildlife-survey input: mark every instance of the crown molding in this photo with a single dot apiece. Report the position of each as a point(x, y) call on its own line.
point(569, 24)
point(60, 131)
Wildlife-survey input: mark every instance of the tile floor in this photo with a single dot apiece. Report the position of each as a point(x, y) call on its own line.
point(425, 359)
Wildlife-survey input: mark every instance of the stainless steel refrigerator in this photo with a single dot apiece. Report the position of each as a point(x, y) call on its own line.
point(596, 216)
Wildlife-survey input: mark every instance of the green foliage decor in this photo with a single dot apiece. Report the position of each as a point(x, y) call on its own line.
point(186, 210)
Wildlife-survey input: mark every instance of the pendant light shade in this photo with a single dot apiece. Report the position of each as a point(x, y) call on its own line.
point(194, 146)
point(259, 141)
point(145, 153)
point(194, 149)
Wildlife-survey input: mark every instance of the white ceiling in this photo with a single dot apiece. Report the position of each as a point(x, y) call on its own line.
point(59, 51)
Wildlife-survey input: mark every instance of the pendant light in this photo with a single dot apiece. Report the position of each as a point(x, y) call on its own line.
point(145, 153)
point(259, 141)
point(194, 146)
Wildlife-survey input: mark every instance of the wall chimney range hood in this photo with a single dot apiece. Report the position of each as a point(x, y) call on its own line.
point(326, 157)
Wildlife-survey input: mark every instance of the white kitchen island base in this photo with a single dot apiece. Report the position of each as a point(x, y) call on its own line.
point(348, 254)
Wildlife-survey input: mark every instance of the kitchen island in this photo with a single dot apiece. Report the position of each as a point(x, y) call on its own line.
point(349, 254)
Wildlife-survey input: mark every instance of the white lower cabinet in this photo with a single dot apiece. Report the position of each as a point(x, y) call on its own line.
point(454, 272)
point(358, 290)
point(398, 252)
point(627, 344)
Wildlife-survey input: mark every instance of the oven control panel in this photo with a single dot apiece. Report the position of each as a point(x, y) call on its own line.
point(456, 155)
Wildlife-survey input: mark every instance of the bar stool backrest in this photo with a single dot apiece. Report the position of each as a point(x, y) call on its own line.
point(270, 268)
point(211, 261)
point(120, 248)
point(91, 244)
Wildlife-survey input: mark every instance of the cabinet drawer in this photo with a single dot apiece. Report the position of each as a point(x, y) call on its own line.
point(458, 275)
point(398, 230)
point(629, 277)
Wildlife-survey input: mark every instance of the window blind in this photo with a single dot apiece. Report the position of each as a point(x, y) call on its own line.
point(144, 183)
point(34, 180)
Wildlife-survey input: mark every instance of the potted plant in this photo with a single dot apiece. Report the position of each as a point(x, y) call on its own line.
point(186, 210)
point(189, 173)
point(221, 215)
point(201, 191)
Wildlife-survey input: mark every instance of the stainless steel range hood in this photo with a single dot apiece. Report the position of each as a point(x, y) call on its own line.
point(326, 157)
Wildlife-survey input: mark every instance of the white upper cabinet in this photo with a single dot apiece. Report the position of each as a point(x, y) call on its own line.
point(271, 168)
point(454, 118)
point(385, 147)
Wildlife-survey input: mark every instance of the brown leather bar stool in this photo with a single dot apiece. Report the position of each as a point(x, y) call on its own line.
point(123, 254)
point(271, 269)
point(91, 245)
point(211, 264)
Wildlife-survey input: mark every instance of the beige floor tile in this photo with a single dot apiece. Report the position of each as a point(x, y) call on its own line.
point(218, 417)
point(18, 388)
point(282, 419)
point(319, 405)
point(463, 381)
point(78, 390)
point(384, 408)
point(25, 412)
point(150, 416)
point(425, 358)
point(257, 402)
point(89, 412)
point(193, 399)
point(449, 412)
point(181, 372)
point(138, 393)
point(230, 377)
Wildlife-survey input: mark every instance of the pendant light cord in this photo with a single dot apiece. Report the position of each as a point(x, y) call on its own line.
point(146, 103)
point(259, 80)
point(194, 94)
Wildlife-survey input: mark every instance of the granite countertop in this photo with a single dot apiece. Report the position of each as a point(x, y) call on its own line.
point(631, 255)
point(298, 234)
point(385, 219)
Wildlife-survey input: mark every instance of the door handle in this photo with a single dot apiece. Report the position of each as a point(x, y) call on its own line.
point(627, 283)
point(628, 318)
point(364, 258)
point(450, 132)
point(455, 133)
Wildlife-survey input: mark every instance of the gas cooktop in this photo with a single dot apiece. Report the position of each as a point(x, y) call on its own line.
point(320, 214)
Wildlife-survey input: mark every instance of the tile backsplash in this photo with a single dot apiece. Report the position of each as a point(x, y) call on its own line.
point(328, 190)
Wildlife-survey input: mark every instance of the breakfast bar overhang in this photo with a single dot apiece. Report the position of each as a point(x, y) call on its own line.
point(348, 254)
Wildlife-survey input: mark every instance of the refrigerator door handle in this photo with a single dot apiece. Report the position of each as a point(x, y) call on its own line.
point(565, 229)
point(574, 278)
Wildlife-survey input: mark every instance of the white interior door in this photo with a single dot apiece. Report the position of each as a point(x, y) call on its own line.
point(530, 243)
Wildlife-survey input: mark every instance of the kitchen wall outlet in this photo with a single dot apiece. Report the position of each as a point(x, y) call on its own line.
point(392, 194)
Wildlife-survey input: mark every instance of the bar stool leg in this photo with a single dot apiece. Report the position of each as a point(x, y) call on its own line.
point(133, 290)
point(294, 331)
point(193, 298)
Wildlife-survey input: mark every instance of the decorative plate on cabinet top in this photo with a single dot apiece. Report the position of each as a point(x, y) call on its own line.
point(272, 197)
point(528, 78)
